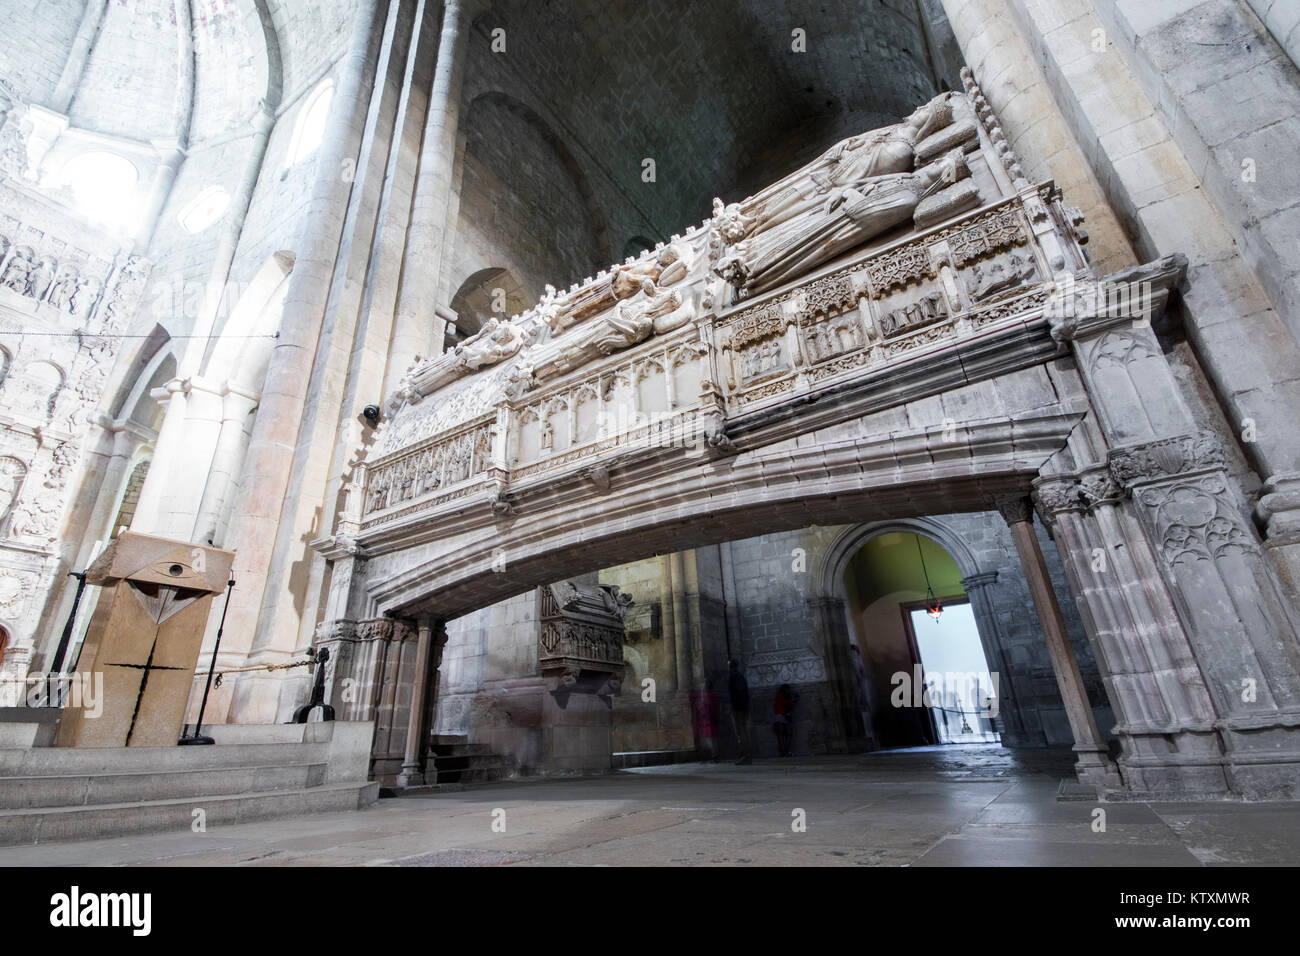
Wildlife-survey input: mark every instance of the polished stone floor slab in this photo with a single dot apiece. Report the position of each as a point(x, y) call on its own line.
point(927, 807)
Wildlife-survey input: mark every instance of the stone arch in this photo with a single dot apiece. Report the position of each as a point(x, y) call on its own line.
point(836, 558)
point(475, 300)
point(974, 579)
point(130, 495)
point(34, 389)
point(636, 245)
point(594, 220)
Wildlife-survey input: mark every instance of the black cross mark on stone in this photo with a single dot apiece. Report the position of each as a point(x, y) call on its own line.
point(147, 667)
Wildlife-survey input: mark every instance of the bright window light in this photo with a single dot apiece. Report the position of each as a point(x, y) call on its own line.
point(103, 185)
point(204, 209)
point(310, 128)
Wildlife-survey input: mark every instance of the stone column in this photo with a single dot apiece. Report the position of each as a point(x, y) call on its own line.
point(681, 622)
point(668, 624)
point(173, 489)
point(256, 515)
point(171, 434)
point(236, 405)
point(1229, 603)
point(214, 294)
point(1165, 718)
point(430, 632)
point(170, 154)
point(73, 67)
point(847, 731)
point(999, 56)
point(1094, 766)
point(417, 329)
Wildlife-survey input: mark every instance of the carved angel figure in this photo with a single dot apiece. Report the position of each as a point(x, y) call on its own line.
point(496, 341)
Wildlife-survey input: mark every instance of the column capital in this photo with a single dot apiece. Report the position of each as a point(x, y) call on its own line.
point(1015, 507)
point(980, 579)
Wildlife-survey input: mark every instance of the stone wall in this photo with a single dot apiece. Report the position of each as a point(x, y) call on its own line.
point(775, 582)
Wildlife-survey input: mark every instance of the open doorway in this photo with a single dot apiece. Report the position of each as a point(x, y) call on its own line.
point(961, 689)
point(926, 675)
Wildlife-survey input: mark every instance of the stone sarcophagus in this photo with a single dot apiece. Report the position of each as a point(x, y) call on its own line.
point(143, 643)
point(905, 323)
point(894, 246)
point(582, 632)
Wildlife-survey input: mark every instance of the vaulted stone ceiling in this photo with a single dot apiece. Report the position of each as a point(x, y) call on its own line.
point(713, 91)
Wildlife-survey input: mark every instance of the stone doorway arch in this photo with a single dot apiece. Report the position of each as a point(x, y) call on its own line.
point(977, 582)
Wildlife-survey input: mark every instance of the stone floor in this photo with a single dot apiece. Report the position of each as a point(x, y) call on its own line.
point(924, 807)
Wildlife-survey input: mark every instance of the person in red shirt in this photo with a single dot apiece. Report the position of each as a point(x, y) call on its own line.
point(706, 721)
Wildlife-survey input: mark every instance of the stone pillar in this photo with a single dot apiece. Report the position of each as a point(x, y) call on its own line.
point(1094, 766)
point(214, 294)
point(417, 329)
point(170, 155)
point(256, 514)
point(430, 632)
point(171, 434)
point(668, 624)
point(173, 489)
point(1228, 600)
point(73, 67)
point(681, 622)
point(847, 730)
point(236, 406)
point(1001, 60)
point(1165, 718)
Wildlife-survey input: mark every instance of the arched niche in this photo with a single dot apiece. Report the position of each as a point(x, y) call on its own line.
point(33, 389)
point(489, 293)
point(525, 197)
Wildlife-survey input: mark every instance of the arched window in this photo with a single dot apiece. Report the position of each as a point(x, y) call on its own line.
point(309, 131)
point(103, 186)
point(204, 209)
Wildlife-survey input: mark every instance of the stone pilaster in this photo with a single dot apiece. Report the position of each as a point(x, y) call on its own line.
point(1165, 717)
point(1187, 529)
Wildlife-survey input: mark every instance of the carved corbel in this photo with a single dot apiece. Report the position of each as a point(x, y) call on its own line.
point(599, 477)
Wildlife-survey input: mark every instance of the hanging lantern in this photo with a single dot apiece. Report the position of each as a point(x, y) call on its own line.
point(933, 606)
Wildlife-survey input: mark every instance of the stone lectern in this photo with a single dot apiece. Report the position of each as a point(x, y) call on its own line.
point(157, 594)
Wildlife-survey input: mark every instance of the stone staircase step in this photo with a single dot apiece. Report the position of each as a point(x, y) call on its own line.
point(73, 761)
point(66, 790)
point(43, 825)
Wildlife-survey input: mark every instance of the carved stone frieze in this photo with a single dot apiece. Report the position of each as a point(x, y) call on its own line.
point(1165, 458)
point(926, 310)
point(830, 295)
point(988, 233)
point(427, 469)
point(900, 268)
point(796, 666)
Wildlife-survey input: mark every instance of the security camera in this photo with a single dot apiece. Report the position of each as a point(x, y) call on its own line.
point(371, 414)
